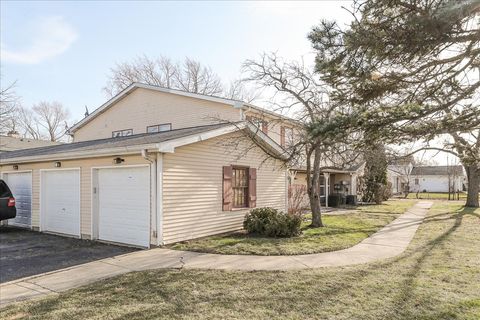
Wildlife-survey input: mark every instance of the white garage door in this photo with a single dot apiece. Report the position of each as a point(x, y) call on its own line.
point(124, 205)
point(20, 183)
point(60, 201)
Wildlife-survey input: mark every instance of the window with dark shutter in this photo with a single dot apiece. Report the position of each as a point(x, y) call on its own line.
point(265, 127)
point(240, 177)
point(239, 187)
point(252, 187)
point(227, 188)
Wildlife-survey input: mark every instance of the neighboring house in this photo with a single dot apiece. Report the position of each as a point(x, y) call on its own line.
point(13, 141)
point(153, 166)
point(438, 179)
point(333, 180)
point(398, 175)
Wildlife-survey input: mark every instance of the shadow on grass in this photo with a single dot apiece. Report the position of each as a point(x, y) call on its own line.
point(405, 298)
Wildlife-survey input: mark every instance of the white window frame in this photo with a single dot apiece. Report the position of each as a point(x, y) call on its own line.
point(122, 133)
point(159, 127)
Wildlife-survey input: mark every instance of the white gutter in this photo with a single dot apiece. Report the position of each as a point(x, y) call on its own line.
point(165, 147)
point(82, 154)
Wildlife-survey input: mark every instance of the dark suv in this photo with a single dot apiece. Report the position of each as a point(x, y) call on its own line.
point(7, 202)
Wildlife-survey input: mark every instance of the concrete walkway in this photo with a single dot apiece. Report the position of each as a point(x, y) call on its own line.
point(389, 242)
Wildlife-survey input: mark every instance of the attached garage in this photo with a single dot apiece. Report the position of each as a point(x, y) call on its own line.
point(60, 201)
point(20, 184)
point(122, 197)
point(145, 189)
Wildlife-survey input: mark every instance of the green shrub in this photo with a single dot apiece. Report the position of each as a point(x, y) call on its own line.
point(272, 223)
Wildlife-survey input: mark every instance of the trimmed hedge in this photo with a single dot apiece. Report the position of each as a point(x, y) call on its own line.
point(272, 223)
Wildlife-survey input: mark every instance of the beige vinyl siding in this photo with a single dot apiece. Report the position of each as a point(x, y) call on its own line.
point(192, 187)
point(85, 166)
point(274, 124)
point(144, 107)
point(300, 179)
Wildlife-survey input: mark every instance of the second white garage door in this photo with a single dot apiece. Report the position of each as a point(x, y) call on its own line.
point(60, 201)
point(124, 205)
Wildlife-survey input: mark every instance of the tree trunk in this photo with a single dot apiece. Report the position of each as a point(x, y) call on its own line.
point(473, 178)
point(314, 189)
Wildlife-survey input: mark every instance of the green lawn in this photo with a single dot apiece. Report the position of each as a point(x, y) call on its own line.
point(435, 195)
point(437, 278)
point(340, 232)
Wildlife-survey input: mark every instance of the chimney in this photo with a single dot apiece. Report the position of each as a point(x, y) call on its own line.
point(13, 134)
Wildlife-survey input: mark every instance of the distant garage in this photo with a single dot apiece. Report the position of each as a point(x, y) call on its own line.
point(122, 204)
point(20, 183)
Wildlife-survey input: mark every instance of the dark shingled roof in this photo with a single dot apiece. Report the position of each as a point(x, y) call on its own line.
point(437, 171)
point(138, 139)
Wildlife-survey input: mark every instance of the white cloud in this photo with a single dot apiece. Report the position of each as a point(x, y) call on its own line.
point(51, 36)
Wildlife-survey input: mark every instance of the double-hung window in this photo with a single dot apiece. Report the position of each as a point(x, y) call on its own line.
point(159, 128)
point(240, 187)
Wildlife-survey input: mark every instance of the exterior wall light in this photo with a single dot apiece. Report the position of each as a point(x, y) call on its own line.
point(57, 164)
point(118, 160)
point(15, 167)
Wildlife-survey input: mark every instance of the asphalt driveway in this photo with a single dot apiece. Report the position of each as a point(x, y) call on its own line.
point(25, 253)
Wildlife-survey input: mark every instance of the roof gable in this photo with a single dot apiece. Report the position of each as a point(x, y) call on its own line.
point(107, 105)
point(437, 171)
point(229, 102)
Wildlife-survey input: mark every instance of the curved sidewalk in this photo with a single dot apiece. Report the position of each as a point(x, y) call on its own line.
point(389, 242)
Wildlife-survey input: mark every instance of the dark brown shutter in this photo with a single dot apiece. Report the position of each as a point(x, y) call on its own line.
point(265, 127)
point(252, 187)
point(227, 188)
point(282, 136)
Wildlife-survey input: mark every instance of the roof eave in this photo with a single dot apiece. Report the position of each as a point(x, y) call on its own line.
point(164, 147)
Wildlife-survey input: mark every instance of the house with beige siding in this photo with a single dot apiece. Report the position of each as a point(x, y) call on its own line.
point(344, 181)
point(153, 166)
point(13, 141)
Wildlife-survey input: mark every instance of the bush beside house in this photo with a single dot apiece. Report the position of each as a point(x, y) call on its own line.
point(272, 223)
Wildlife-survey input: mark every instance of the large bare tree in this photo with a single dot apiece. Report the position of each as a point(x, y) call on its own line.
point(189, 75)
point(9, 104)
point(320, 139)
point(45, 120)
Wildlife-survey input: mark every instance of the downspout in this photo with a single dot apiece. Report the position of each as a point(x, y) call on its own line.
point(153, 192)
point(159, 199)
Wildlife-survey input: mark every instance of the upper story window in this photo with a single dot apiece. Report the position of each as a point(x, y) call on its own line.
point(159, 128)
point(286, 136)
point(259, 123)
point(122, 133)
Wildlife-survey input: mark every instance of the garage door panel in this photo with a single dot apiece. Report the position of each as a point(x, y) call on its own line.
point(21, 186)
point(124, 205)
point(61, 201)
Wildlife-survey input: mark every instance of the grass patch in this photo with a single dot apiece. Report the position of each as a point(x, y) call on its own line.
point(340, 232)
point(437, 278)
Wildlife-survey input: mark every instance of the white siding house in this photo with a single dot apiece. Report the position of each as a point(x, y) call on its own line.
point(438, 179)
